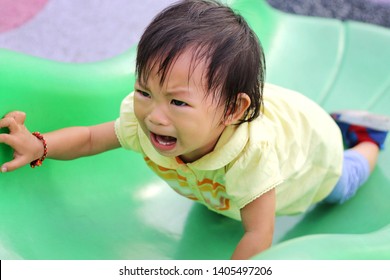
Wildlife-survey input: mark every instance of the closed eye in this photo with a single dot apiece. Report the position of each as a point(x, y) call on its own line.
point(142, 93)
point(178, 103)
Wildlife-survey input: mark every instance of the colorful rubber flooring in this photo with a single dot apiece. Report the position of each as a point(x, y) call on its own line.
point(92, 30)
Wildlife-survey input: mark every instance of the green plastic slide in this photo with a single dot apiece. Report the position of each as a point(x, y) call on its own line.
point(111, 206)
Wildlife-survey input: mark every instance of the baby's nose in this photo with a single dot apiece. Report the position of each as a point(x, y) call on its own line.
point(158, 117)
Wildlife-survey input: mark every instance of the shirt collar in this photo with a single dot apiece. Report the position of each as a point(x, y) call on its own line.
point(229, 146)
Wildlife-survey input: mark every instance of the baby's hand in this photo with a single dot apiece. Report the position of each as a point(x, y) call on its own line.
point(25, 145)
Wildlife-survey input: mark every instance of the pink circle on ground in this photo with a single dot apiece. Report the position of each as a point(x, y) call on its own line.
point(15, 13)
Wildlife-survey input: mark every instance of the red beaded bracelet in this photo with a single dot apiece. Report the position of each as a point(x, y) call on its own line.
point(38, 162)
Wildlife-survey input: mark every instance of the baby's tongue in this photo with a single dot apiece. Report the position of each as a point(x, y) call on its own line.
point(165, 140)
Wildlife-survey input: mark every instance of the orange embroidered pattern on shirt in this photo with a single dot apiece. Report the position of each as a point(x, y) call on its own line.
point(213, 193)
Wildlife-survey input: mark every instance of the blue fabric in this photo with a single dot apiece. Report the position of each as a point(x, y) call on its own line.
point(353, 134)
point(356, 171)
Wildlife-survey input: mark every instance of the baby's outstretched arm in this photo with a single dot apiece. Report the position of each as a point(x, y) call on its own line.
point(63, 144)
point(258, 218)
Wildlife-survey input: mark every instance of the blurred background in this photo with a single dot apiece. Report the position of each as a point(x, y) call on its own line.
point(92, 30)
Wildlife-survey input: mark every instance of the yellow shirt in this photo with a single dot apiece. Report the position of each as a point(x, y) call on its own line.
point(294, 146)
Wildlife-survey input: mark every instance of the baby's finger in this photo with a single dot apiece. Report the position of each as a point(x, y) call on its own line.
point(6, 139)
point(19, 116)
point(14, 164)
point(10, 123)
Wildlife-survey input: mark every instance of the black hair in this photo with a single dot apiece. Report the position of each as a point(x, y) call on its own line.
point(233, 54)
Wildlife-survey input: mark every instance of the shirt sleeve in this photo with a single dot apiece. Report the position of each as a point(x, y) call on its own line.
point(254, 173)
point(126, 126)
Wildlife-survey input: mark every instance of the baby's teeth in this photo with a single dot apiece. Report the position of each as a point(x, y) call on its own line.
point(165, 140)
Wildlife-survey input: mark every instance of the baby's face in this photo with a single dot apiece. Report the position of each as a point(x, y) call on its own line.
point(177, 116)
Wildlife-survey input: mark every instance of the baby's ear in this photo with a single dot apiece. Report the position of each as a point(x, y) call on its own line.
point(243, 103)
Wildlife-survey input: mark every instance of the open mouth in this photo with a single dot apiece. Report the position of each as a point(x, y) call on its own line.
point(163, 142)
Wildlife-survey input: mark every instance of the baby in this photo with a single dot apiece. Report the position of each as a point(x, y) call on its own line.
point(207, 123)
